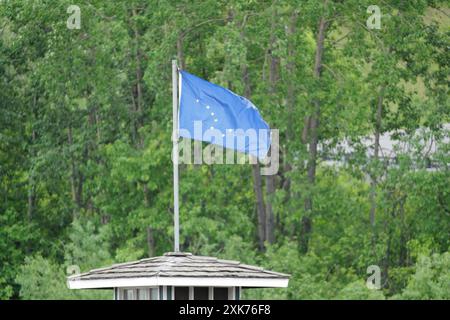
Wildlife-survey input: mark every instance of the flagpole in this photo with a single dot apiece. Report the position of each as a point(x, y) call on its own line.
point(176, 209)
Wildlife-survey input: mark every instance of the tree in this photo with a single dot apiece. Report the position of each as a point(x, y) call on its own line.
point(85, 142)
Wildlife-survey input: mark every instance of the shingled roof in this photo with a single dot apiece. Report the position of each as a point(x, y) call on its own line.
point(178, 269)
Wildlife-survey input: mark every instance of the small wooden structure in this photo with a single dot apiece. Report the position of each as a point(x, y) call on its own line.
point(178, 276)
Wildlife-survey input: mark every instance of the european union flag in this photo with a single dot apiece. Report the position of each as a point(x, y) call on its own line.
point(214, 114)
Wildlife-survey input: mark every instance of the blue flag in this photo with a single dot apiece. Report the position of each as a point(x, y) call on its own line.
point(214, 114)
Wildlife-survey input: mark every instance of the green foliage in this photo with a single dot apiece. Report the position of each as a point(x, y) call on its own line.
point(39, 278)
point(42, 279)
point(87, 248)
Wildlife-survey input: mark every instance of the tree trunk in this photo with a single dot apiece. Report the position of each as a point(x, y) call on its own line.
point(257, 180)
point(31, 198)
point(269, 223)
point(180, 53)
point(31, 181)
point(376, 148)
point(403, 254)
point(73, 174)
point(274, 60)
point(306, 222)
point(291, 100)
point(257, 185)
point(138, 86)
point(270, 179)
point(97, 126)
point(373, 178)
point(150, 242)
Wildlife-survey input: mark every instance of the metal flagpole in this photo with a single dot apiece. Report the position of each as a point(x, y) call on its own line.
point(175, 156)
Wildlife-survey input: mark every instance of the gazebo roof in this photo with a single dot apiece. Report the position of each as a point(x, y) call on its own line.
point(178, 269)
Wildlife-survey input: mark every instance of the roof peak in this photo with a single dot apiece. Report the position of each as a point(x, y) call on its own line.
point(177, 254)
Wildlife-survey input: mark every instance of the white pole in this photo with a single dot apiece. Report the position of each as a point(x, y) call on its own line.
point(175, 156)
